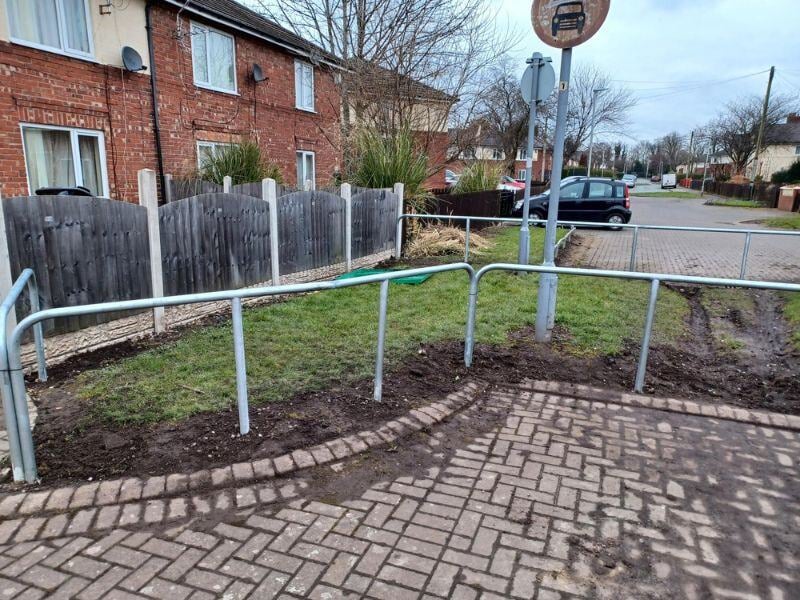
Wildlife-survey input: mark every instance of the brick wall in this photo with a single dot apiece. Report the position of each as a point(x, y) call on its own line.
point(46, 88)
point(264, 112)
point(49, 89)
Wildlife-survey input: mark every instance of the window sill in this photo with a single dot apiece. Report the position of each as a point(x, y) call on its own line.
point(306, 110)
point(211, 88)
point(52, 50)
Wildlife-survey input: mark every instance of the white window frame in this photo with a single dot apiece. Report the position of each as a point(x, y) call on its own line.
point(76, 155)
point(522, 154)
point(498, 154)
point(522, 174)
point(213, 145)
point(313, 155)
point(205, 84)
point(297, 95)
point(797, 149)
point(62, 33)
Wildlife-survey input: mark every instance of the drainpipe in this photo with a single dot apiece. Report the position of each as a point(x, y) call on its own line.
point(154, 94)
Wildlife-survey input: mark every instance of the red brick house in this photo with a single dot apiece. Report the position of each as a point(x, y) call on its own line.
point(71, 114)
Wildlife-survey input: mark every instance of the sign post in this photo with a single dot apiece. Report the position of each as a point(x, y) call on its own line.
point(537, 84)
point(561, 24)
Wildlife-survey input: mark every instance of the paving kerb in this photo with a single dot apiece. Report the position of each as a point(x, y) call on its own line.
point(204, 482)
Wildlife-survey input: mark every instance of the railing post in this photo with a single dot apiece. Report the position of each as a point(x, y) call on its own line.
point(466, 242)
point(347, 193)
point(634, 245)
point(6, 278)
point(227, 184)
point(469, 337)
point(648, 330)
point(148, 197)
point(269, 192)
point(241, 367)
point(399, 190)
point(384, 302)
point(748, 238)
point(167, 188)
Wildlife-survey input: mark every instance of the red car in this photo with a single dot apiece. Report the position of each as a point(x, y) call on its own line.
point(510, 184)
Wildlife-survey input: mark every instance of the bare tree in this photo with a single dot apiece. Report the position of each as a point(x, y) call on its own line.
point(735, 130)
point(611, 113)
point(395, 51)
point(673, 148)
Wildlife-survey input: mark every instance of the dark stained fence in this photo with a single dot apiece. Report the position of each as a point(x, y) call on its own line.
point(214, 242)
point(491, 203)
point(374, 220)
point(765, 193)
point(83, 250)
point(310, 231)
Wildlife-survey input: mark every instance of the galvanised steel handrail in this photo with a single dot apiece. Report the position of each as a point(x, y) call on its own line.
point(655, 280)
point(17, 387)
point(748, 233)
point(26, 279)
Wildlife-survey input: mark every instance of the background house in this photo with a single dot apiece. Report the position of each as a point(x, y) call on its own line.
point(781, 147)
point(73, 115)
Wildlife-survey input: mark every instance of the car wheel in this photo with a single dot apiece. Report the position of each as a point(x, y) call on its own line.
point(539, 216)
point(615, 219)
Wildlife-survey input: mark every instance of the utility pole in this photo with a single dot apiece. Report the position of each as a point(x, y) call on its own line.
point(691, 158)
point(762, 125)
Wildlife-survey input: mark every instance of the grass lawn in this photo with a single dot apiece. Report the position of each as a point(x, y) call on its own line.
point(737, 202)
point(791, 221)
point(673, 194)
point(791, 311)
point(309, 342)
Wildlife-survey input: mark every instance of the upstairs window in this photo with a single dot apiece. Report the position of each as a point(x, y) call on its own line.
point(304, 85)
point(797, 149)
point(498, 154)
point(60, 25)
point(213, 59)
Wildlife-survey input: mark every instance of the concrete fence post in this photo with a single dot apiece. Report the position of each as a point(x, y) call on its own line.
point(269, 192)
point(347, 196)
point(6, 278)
point(148, 197)
point(167, 188)
point(399, 190)
point(227, 184)
point(308, 185)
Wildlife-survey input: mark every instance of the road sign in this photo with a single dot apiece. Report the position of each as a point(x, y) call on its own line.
point(546, 82)
point(567, 23)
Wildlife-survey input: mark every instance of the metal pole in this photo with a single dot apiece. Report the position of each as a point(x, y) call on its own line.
point(748, 238)
point(648, 330)
point(466, 243)
point(469, 338)
point(634, 245)
point(384, 302)
point(705, 171)
point(546, 299)
point(524, 230)
point(12, 428)
point(241, 370)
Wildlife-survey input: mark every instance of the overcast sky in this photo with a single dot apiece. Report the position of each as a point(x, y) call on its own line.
point(675, 54)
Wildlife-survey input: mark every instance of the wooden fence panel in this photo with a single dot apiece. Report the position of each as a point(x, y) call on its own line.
point(310, 231)
point(374, 222)
point(83, 250)
point(214, 242)
point(186, 188)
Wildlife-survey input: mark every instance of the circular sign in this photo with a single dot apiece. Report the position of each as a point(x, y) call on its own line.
point(567, 23)
point(546, 82)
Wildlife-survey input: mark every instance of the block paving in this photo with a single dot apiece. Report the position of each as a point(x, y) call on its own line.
point(572, 495)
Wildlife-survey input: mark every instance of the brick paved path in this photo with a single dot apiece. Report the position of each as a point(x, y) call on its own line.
point(691, 253)
point(567, 497)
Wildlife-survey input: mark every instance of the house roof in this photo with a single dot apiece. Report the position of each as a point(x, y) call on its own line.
point(240, 17)
point(783, 133)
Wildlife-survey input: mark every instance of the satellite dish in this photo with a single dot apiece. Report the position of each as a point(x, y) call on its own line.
point(258, 73)
point(131, 60)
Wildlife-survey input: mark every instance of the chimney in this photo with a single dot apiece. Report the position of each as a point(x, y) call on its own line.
point(793, 118)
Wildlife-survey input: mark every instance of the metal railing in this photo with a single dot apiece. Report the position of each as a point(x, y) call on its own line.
point(22, 454)
point(655, 280)
point(748, 233)
point(11, 408)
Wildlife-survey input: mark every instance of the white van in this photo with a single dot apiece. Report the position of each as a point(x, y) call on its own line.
point(669, 180)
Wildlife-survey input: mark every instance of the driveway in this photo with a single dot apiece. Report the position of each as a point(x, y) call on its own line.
point(571, 492)
point(774, 258)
